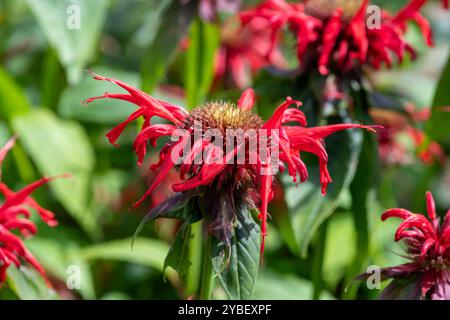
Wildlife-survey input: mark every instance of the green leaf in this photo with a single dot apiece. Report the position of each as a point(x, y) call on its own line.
point(203, 42)
point(275, 286)
point(437, 126)
point(12, 99)
point(58, 147)
point(28, 284)
point(181, 206)
point(57, 256)
point(173, 22)
point(146, 252)
point(362, 184)
point(72, 28)
point(178, 257)
point(104, 111)
point(237, 267)
point(308, 207)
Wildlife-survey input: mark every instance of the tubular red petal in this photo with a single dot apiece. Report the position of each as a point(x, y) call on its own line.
point(358, 30)
point(5, 149)
point(115, 133)
point(294, 115)
point(323, 131)
point(164, 170)
point(207, 172)
point(277, 117)
point(427, 245)
point(21, 224)
point(264, 193)
point(21, 196)
point(143, 99)
point(397, 213)
point(431, 207)
point(330, 35)
point(247, 100)
point(152, 132)
point(416, 221)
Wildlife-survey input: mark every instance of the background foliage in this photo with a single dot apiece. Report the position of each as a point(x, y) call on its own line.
point(316, 244)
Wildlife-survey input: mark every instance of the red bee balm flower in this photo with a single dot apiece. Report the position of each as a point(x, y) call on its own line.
point(16, 204)
point(428, 246)
point(340, 35)
point(245, 50)
point(221, 173)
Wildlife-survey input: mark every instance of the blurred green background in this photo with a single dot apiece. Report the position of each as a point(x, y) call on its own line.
point(42, 85)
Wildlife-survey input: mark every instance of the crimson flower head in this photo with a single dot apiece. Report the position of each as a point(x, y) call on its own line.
point(224, 154)
point(427, 243)
point(342, 35)
point(14, 216)
point(244, 50)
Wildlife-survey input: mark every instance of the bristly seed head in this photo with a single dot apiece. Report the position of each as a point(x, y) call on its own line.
point(323, 9)
point(222, 115)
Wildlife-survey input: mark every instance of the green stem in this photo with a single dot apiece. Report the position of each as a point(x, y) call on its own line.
point(205, 290)
point(50, 80)
point(318, 257)
point(195, 256)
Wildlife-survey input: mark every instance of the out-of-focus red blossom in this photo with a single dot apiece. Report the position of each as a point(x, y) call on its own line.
point(428, 247)
point(333, 35)
point(14, 215)
point(209, 9)
point(244, 50)
point(392, 150)
point(223, 186)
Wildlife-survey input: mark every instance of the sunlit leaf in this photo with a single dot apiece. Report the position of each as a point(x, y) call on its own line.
point(59, 147)
point(72, 28)
point(147, 252)
point(28, 284)
point(275, 286)
point(12, 99)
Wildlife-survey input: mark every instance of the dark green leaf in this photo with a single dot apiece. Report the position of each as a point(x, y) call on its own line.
point(237, 267)
point(308, 207)
point(161, 52)
point(179, 253)
point(438, 125)
point(179, 206)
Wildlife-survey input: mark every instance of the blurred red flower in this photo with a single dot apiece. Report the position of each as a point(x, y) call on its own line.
point(393, 149)
point(221, 182)
point(428, 247)
point(342, 36)
point(14, 215)
point(244, 50)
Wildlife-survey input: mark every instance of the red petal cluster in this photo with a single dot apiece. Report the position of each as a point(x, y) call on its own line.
point(338, 43)
point(244, 50)
point(14, 215)
point(291, 139)
point(428, 246)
